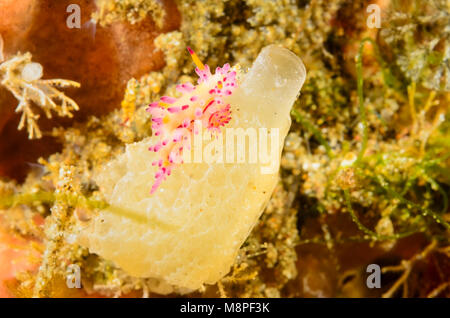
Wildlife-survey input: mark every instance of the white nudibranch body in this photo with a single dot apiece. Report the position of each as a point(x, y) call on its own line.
point(189, 230)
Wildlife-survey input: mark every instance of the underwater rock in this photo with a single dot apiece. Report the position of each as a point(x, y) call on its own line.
point(101, 59)
point(16, 255)
point(188, 232)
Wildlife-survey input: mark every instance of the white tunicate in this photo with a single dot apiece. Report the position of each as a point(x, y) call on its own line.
point(202, 214)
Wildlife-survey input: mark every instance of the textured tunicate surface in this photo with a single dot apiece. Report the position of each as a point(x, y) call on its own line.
point(200, 216)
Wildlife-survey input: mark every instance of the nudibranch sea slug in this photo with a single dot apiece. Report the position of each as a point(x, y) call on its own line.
point(191, 227)
point(173, 120)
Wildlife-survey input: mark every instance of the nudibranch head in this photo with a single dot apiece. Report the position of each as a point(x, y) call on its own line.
point(173, 119)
